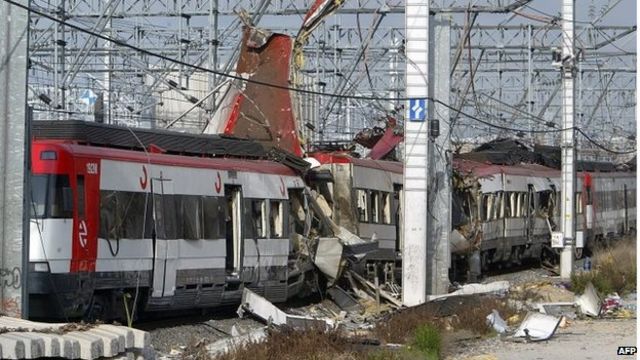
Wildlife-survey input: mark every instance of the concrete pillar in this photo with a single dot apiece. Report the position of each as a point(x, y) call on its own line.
point(416, 159)
point(13, 116)
point(567, 143)
point(439, 254)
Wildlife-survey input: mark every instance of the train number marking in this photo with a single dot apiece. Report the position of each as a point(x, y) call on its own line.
point(218, 184)
point(92, 168)
point(82, 233)
point(143, 182)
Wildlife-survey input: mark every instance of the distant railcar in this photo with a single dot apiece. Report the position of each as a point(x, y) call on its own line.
point(173, 231)
point(501, 214)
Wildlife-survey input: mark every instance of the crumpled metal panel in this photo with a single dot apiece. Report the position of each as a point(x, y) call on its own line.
point(386, 144)
point(264, 113)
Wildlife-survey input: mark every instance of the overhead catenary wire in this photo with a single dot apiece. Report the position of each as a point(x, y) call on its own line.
point(294, 89)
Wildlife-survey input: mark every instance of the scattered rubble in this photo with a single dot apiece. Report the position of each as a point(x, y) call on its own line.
point(265, 310)
point(496, 322)
point(537, 327)
point(496, 287)
point(589, 302)
point(237, 339)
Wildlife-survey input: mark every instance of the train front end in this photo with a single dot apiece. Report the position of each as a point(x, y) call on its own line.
point(56, 201)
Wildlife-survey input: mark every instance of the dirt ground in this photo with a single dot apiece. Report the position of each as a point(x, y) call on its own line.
point(582, 339)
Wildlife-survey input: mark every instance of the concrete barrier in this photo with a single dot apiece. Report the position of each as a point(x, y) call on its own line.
point(23, 339)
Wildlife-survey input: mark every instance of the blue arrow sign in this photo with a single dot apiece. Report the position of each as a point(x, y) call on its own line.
point(417, 110)
point(88, 97)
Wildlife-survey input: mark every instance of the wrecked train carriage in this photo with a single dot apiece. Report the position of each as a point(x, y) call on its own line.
point(506, 213)
point(500, 213)
point(183, 221)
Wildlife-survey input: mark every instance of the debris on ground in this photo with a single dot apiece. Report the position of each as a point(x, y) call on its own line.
point(537, 327)
point(496, 322)
point(611, 303)
point(565, 309)
point(238, 339)
point(265, 310)
point(544, 292)
point(589, 302)
point(496, 287)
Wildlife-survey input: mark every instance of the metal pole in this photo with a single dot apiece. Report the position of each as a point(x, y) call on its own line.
point(416, 161)
point(213, 49)
point(530, 80)
point(14, 37)
point(63, 58)
point(568, 150)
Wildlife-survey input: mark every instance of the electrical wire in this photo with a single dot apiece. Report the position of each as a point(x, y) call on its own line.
point(294, 89)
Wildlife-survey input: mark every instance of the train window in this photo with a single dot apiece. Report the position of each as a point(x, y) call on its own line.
point(579, 203)
point(214, 217)
point(276, 220)
point(135, 215)
point(487, 206)
point(500, 205)
point(257, 219)
point(60, 197)
point(363, 209)
point(509, 200)
point(386, 208)
point(545, 203)
point(165, 214)
point(375, 206)
point(80, 198)
point(190, 214)
point(110, 220)
point(38, 195)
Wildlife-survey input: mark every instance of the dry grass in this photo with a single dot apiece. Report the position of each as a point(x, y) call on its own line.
point(460, 313)
point(614, 269)
point(287, 344)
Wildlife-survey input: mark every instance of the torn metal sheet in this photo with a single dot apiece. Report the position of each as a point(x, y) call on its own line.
point(265, 310)
point(589, 302)
point(386, 144)
point(343, 299)
point(328, 256)
point(354, 244)
point(264, 115)
point(474, 289)
point(566, 309)
point(537, 327)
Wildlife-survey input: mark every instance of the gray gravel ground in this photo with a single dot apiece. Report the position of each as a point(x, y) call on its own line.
point(176, 334)
point(582, 339)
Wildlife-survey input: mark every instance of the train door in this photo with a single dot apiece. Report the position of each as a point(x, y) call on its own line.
point(164, 241)
point(398, 205)
point(233, 194)
point(85, 226)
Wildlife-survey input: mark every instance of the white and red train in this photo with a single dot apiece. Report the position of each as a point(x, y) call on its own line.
point(185, 231)
point(178, 229)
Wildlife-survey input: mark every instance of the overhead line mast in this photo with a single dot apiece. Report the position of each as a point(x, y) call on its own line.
point(568, 140)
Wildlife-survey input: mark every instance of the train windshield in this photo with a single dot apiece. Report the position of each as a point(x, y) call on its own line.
point(51, 196)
